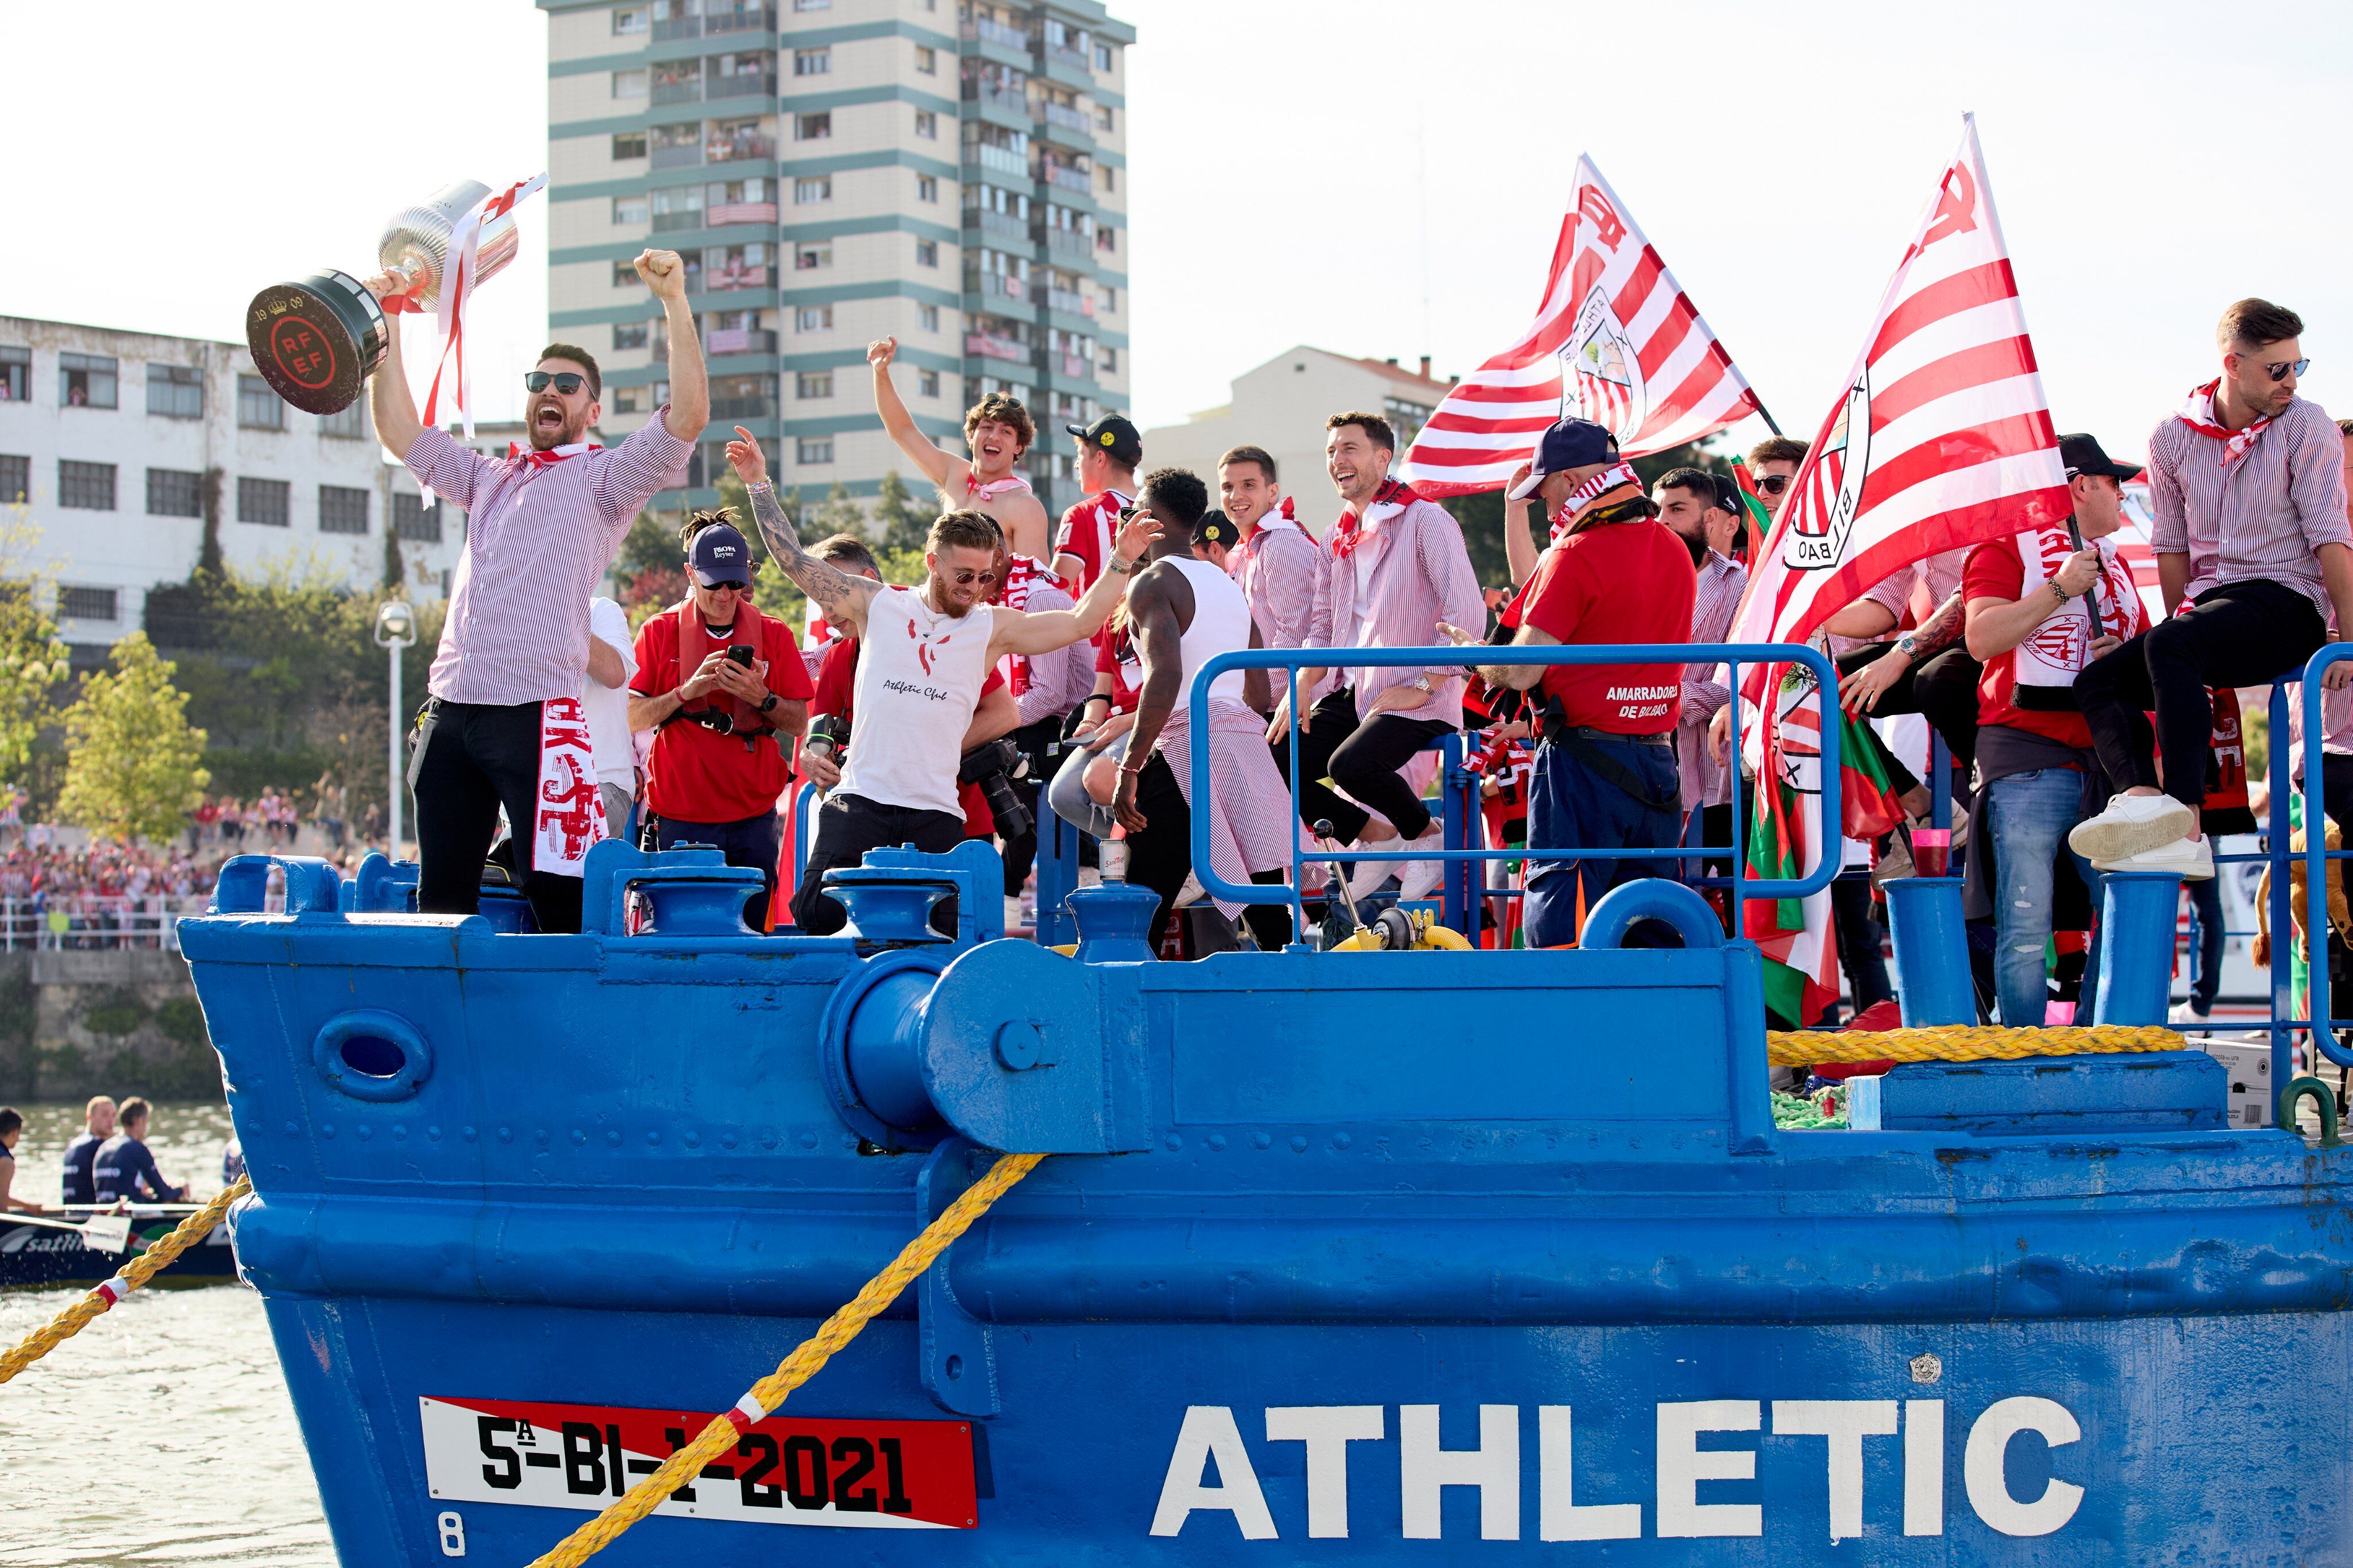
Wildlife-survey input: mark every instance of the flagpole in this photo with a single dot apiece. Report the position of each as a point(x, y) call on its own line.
point(1762, 414)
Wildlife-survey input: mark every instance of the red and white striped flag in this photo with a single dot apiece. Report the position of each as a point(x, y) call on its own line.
point(1940, 439)
point(1615, 340)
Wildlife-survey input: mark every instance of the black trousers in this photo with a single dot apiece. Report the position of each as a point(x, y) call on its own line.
point(848, 826)
point(1858, 937)
point(1363, 758)
point(1035, 740)
point(475, 759)
point(2239, 634)
point(754, 841)
point(1161, 857)
point(1943, 690)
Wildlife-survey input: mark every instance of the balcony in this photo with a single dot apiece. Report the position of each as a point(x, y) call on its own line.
point(742, 340)
point(670, 28)
point(690, 156)
point(1068, 119)
point(1067, 366)
point(996, 33)
point(687, 91)
point(997, 286)
point(1067, 178)
point(725, 213)
point(1070, 242)
point(996, 160)
point(1006, 100)
point(752, 19)
point(742, 409)
point(745, 84)
point(717, 281)
point(734, 150)
point(988, 347)
point(996, 225)
point(1067, 303)
point(670, 222)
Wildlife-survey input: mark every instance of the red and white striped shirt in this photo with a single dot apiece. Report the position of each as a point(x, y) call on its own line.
point(538, 539)
point(1275, 568)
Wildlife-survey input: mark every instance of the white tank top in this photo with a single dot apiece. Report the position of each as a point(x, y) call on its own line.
point(919, 679)
point(1222, 624)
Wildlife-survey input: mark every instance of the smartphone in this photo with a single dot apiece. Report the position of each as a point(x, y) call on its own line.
point(741, 654)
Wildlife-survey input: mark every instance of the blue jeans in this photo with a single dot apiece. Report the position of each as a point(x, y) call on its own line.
point(2206, 966)
point(1570, 808)
point(2031, 813)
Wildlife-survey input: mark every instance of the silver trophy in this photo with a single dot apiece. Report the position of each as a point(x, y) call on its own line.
point(318, 341)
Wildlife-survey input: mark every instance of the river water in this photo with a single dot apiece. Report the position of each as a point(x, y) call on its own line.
point(161, 1433)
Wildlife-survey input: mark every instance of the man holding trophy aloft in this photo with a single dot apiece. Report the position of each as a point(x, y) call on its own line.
point(504, 726)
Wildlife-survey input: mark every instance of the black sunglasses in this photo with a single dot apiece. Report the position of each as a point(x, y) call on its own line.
point(1774, 484)
point(739, 587)
point(985, 579)
point(567, 382)
point(2278, 371)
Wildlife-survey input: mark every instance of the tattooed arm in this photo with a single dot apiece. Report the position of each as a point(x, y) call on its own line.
point(842, 595)
point(1860, 689)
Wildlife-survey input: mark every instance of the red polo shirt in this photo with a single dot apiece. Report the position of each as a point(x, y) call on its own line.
point(695, 775)
point(1616, 582)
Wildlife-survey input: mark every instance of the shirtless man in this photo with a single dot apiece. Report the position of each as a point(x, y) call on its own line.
point(998, 430)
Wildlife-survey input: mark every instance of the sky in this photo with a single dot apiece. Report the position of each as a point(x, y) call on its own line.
point(1384, 179)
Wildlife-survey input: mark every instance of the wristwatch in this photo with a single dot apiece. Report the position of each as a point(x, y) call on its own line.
point(769, 703)
point(1908, 645)
point(1421, 683)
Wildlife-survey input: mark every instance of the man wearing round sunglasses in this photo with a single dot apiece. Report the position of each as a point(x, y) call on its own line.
point(2254, 552)
point(924, 657)
point(543, 524)
point(1773, 463)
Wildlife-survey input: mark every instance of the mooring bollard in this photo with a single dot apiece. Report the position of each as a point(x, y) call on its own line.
point(2137, 919)
point(1932, 951)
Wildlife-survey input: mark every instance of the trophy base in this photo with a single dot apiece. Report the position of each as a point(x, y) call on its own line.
point(316, 342)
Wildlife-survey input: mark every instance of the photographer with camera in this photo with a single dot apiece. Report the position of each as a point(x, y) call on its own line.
point(924, 657)
point(724, 688)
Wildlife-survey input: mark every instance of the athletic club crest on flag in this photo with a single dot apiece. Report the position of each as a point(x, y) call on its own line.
point(1822, 513)
point(1615, 340)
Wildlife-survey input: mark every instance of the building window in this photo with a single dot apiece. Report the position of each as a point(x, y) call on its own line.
point(1110, 299)
point(176, 391)
point(812, 62)
point(1102, 56)
point(88, 604)
point(1109, 178)
point(629, 334)
point(813, 127)
point(818, 189)
point(628, 144)
point(632, 210)
point(625, 274)
point(258, 408)
point(927, 383)
point(626, 399)
point(813, 384)
point(927, 252)
point(15, 373)
point(927, 188)
point(628, 19)
point(85, 381)
point(1103, 116)
point(927, 59)
point(88, 486)
point(15, 479)
point(928, 316)
point(927, 125)
point(173, 492)
point(350, 422)
point(813, 319)
point(413, 520)
point(629, 83)
point(1106, 238)
point(1109, 361)
point(342, 509)
point(815, 450)
point(812, 254)
point(263, 502)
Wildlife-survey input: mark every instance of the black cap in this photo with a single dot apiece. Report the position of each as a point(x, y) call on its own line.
point(1114, 434)
point(2081, 455)
point(1569, 444)
point(719, 555)
point(1217, 528)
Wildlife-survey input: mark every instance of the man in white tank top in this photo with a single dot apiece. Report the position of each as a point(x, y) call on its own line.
point(923, 655)
point(1185, 611)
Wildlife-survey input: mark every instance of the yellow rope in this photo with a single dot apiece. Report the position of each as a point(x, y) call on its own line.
point(796, 1369)
point(141, 1269)
point(1961, 1043)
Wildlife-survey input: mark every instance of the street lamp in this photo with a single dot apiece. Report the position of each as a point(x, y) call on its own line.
point(396, 628)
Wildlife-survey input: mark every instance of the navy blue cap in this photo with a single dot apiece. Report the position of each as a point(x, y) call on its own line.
point(1570, 444)
point(719, 555)
point(1215, 528)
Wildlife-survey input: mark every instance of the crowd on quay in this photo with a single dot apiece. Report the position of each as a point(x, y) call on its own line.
point(1048, 665)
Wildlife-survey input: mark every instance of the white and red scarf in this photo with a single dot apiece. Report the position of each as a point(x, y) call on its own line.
point(975, 490)
point(1281, 516)
point(1023, 575)
point(457, 288)
point(2199, 415)
point(1564, 521)
point(570, 808)
point(2058, 650)
point(1392, 498)
point(548, 460)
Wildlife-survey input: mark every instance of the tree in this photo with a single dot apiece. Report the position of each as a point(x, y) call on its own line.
point(208, 553)
point(899, 523)
point(396, 565)
point(133, 767)
point(32, 661)
point(838, 513)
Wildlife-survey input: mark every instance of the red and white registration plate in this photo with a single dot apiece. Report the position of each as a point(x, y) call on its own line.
point(904, 1475)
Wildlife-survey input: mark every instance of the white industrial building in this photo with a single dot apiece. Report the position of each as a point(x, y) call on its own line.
point(118, 441)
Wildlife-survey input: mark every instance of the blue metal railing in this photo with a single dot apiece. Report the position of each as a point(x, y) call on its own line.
point(1292, 660)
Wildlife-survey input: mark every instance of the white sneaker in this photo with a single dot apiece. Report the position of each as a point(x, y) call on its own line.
point(2130, 825)
point(2192, 861)
point(1013, 911)
point(2187, 1018)
point(1368, 876)
point(1090, 877)
point(1419, 878)
point(1192, 892)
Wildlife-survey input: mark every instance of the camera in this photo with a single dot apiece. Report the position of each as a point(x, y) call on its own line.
point(828, 737)
point(994, 767)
